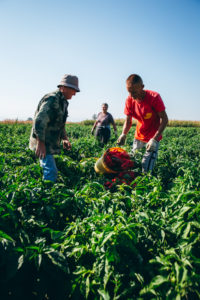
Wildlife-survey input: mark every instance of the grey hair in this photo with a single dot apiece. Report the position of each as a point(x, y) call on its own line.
point(106, 104)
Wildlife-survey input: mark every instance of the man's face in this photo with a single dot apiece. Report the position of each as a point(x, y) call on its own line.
point(104, 108)
point(135, 90)
point(67, 92)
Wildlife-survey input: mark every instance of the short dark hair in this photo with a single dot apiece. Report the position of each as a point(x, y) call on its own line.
point(134, 78)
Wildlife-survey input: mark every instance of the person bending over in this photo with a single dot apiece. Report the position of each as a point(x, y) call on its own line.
point(48, 128)
point(148, 109)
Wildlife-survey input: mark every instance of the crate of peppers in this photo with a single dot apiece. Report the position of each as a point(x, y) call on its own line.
point(116, 164)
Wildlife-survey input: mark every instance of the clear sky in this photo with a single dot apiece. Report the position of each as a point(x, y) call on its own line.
point(102, 42)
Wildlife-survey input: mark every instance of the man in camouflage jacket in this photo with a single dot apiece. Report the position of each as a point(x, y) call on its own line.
point(49, 125)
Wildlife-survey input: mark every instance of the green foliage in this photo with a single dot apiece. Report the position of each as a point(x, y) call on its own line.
point(76, 240)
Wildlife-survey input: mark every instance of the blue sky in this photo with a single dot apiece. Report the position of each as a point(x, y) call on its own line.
point(102, 42)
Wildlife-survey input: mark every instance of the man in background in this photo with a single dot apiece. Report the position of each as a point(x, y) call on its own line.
point(102, 125)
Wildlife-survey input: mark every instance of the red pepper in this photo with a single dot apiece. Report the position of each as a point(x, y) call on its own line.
point(118, 160)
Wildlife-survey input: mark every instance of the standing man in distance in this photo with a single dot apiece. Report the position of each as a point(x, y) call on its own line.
point(102, 125)
point(148, 109)
point(49, 125)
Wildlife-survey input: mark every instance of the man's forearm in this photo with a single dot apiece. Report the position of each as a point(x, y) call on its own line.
point(127, 125)
point(64, 135)
point(94, 126)
point(114, 127)
point(163, 124)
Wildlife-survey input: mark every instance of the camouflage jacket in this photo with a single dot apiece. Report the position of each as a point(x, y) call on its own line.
point(49, 122)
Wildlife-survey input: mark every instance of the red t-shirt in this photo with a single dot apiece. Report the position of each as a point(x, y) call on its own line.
point(146, 115)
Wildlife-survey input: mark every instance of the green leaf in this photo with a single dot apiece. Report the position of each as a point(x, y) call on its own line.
point(186, 231)
point(20, 261)
point(87, 285)
point(3, 235)
point(38, 260)
point(177, 268)
point(158, 280)
point(104, 294)
point(108, 273)
point(107, 237)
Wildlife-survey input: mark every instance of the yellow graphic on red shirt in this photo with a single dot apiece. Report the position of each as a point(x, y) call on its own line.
point(148, 116)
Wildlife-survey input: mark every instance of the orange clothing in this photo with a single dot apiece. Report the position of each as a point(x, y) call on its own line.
point(146, 115)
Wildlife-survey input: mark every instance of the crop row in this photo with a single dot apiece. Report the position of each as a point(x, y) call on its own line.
point(77, 240)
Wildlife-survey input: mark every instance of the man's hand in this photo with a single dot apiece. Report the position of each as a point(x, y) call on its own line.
point(66, 144)
point(40, 149)
point(115, 133)
point(151, 145)
point(121, 140)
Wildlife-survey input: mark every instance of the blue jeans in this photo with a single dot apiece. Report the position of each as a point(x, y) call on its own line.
point(48, 165)
point(149, 158)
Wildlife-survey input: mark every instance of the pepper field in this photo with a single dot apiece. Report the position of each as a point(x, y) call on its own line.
point(77, 240)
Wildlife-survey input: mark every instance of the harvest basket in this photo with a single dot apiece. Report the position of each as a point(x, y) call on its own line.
point(102, 166)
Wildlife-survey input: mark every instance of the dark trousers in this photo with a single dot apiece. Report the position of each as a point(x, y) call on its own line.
point(102, 134)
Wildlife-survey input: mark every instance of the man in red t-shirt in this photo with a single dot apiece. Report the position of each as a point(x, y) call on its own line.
point(148, 109)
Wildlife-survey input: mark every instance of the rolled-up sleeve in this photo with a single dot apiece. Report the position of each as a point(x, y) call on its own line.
point(128, 110)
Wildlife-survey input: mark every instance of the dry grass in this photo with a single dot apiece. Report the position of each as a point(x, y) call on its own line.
point(10, 121)
point(176, 123)
point(119, 122)
point(172, 123)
